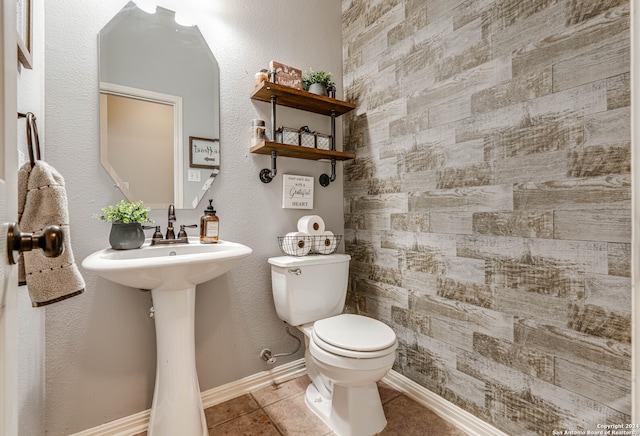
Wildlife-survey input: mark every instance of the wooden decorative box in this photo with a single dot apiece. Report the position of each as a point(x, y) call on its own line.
point(286, 75)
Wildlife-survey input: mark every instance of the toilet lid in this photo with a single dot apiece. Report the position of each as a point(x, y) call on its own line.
point(355, 332)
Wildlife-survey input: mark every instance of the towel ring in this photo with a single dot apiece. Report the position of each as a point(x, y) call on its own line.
point(32, 136)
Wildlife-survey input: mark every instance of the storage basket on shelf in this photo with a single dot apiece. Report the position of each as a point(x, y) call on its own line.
point(323, 142)
point(307, 137)
point(309, 244)
point(288, 135)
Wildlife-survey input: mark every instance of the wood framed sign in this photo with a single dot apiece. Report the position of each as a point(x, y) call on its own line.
point(286, 75)
point(204, 152)
point(297, 192)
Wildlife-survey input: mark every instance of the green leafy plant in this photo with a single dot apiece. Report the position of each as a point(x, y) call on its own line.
point(125, 212)
point(310, 77)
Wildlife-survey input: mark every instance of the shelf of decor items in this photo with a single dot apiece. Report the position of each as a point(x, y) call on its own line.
point(299, 152)
point(279, 95)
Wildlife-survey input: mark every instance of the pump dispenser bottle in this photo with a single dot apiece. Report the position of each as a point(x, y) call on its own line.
point(209, 226)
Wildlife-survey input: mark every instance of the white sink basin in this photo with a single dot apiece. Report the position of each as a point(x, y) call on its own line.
point(166, 267)
point(171, 272)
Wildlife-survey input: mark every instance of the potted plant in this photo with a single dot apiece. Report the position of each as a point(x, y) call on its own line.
point(126, 224)
point(316, 82)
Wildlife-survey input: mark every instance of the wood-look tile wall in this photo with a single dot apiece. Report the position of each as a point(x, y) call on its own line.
point(488, 209)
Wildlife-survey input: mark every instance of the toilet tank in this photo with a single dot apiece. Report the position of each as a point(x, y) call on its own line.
point(309, 288)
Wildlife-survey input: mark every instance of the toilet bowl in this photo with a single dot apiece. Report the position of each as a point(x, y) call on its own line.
point(346, 354)
point(351, 349)
point(350, 353)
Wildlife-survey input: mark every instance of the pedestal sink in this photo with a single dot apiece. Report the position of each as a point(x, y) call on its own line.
point(171, 272)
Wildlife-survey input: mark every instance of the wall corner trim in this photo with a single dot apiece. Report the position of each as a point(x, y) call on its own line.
point(458, 417)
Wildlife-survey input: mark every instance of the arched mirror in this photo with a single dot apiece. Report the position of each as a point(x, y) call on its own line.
point(159, 108)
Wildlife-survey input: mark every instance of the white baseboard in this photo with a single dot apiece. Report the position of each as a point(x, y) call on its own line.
point(134, 424)
point(448, 411)
point(138, 423)
point(129, 425)
point(253, 382)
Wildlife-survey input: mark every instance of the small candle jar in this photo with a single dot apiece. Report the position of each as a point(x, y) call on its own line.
point(257, 132)
point(261, 76)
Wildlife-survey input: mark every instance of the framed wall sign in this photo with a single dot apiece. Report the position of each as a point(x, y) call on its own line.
point(204, 152)
point(24, 9)
point(297, 192)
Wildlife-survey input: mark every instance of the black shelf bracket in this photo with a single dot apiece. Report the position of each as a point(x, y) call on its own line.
point(273, 117)
point(266, 174)
point(333, 130)
point(325, 179)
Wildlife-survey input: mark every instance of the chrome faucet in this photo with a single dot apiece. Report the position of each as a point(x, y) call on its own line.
point(171, 219)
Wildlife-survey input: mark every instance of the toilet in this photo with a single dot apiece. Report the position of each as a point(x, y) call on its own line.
point(345, 354)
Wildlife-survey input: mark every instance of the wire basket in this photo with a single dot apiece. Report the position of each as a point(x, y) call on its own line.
point(326, 244)
point(305, 245)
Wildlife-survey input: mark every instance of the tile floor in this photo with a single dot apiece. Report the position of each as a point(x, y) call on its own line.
point(279, 410)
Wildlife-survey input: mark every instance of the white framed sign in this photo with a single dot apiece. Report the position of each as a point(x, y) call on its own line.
point(204, 152)
point(297, 192)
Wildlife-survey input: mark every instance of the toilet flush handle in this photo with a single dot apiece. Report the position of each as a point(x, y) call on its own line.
point(296, 271)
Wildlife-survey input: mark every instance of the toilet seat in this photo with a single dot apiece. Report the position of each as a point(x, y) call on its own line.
point(354, 336)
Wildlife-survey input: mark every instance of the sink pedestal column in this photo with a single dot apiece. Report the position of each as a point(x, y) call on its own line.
point(177, 404)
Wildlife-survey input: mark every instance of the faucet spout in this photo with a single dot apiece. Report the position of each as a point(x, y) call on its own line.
point(171, 219)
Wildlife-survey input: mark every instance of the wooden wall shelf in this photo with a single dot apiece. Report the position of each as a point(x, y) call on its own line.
point(279, 95)
point(299, 152)
point(302, 100)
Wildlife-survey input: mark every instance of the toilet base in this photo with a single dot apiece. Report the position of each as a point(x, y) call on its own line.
point(352, 411)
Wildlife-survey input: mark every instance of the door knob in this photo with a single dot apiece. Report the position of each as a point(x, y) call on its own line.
point(50, 242)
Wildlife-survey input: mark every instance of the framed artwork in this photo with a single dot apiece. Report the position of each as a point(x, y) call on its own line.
point(204, 152)
point(24, 17)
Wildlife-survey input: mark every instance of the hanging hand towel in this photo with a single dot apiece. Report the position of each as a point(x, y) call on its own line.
point(42, 201)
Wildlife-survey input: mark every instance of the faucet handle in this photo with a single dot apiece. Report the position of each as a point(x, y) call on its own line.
point(157, 234)
point(183, 232)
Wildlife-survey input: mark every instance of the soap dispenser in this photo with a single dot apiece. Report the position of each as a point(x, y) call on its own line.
point(209, 225)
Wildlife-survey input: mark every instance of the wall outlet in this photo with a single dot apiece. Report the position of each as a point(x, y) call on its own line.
point(193, 175)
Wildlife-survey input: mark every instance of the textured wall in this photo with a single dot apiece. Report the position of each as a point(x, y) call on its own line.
point(488, 210)
point(100, 352)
